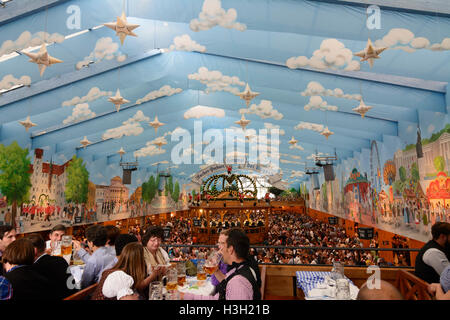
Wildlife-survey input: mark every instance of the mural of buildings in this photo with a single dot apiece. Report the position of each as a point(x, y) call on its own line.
point(440, 147)
point(48, 181)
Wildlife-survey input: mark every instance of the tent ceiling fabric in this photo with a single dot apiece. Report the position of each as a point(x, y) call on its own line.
point(297, 54)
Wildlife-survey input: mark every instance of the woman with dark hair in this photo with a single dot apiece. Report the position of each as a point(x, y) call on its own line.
point(27, 284)
point(123, 280)
point(155, 256)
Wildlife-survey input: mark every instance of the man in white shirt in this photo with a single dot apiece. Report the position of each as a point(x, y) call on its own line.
point(55, 235)
point(434, 256)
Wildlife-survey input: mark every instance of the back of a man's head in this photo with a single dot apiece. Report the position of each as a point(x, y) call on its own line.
point(122, 240)
point(240, 242)
point(386, 291)
point(97, 235)
point(440, 228)
point(38, 242)
point(112, 234)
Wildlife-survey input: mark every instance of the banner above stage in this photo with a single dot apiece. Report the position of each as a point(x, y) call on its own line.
point(213, 168)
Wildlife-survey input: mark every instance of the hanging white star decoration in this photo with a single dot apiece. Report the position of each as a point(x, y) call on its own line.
point(117, 100)
point(42, 58)
point(121, 152)
point(362, 109)
point(370, 53)
point(326, 133)
point(27, 123)
point(85, 142)
point(247, 95)
point(293, 141)
point(122, 27)
point(156, 124)
point(243, 122)
point(159, 143)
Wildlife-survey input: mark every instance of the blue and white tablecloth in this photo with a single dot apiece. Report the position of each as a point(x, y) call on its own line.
point(310, 281)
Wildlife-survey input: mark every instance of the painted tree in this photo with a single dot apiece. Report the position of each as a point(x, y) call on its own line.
point(151, 189)
point(145, 191)
point(15, 175)
point(402, 174)
point(415, 175)
point(169, 186)
point(77, 186)
point(439, 163)
point(176, 192)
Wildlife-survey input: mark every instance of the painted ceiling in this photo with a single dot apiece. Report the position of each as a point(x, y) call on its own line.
point(300, 56)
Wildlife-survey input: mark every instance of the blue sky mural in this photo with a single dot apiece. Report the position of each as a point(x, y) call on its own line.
point(298, 55)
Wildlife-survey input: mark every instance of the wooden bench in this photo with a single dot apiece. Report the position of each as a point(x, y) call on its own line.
point(411, 286)
point(83, 294)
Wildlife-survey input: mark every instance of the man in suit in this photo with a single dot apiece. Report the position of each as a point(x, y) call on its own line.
point(54, 268)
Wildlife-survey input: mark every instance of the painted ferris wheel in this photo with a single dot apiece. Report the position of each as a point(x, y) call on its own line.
point(375, 167)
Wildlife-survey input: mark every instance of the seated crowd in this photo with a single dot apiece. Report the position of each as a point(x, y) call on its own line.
point(124, 265)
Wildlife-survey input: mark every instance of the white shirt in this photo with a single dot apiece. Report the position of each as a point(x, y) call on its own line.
point(436, 259)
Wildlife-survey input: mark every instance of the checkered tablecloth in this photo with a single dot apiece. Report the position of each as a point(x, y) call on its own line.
point(308, 280)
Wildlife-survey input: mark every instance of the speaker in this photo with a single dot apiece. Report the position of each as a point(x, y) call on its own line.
point(328, 172)
point(126, 176)
point(315, 181)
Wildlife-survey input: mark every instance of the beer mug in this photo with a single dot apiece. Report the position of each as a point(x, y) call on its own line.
point(172, 279)
point(56, 248)
point(66, 248)
point(337, 270)
point(156, 290)
point(342, 289)
point(181, 273)
point(201, 274)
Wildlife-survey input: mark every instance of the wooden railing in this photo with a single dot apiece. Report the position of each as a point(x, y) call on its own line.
point(412, 287)
point(83, 294)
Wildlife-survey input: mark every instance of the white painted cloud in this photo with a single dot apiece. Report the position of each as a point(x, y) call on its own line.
point(309, 126)
point(213, 14)
point(314, 88)
point(297, 174)
point(26, 40)
point(158, 140)
point(81, 112)
point(162, 92)
point(316, 102)
point(404, 39)
point(269, 126)
point(332, 54)
point(296, 146)
point(10, 81)
point(130, 127)
point(127, 129)
point(216, 81)
point(203, 111)
point(149, 150)
point(289, 161)
point(185, 43)
point(264, 110)
point(431, 128)
point(105, 48)
point(93, 94)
